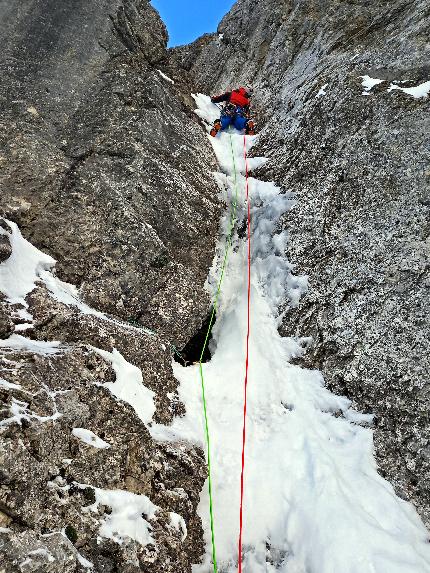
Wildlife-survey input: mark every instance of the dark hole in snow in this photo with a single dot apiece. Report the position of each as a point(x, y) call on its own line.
point(191, 352)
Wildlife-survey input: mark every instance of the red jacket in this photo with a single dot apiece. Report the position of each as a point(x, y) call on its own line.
point(238, 97)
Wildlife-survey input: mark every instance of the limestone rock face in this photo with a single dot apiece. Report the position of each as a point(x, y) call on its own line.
point(51, 479)
point(104, 167)
point(357, 158)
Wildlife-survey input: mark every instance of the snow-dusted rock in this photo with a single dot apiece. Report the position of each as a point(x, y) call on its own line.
point(106, 172)
point(112, 177)
point(50, 405)
point(111, 215)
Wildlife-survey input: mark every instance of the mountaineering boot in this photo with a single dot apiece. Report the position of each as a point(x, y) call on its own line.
point(250, 128)
point(216, 128)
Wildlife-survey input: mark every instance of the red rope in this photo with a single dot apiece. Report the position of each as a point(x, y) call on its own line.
point(247, 358)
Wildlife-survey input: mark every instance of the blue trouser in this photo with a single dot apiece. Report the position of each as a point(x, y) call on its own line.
point(237, 121)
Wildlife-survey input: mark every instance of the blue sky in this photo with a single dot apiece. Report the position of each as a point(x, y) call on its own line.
point(186, 20)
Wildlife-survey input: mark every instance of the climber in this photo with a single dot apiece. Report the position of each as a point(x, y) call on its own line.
point(236, 111)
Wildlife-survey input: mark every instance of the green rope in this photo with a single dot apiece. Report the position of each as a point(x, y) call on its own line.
point(214, 309)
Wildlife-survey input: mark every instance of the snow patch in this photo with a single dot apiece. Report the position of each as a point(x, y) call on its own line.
point(67, 294)
point(129, 385)
point(322, 91)
point(165, 77)
point(420, 91)
point(128, 518)
point(222, 144)
point(84, 562)
point(19, 273)
point(18, 342)
point(368, 83)
point(19, 412)
point(23, 326)
point(358, 418)
point(206, 110)
point(9, 385)
point(178, 523)
point(88, 437)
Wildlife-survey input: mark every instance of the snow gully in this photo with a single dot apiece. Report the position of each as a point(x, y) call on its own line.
point(313, 500)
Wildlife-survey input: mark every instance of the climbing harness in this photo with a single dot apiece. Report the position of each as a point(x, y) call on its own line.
point(229, 240)
point(233, 113)
point(242, 488)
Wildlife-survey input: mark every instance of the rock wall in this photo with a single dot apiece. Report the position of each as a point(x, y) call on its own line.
point(104, 168)
point(357, 160)
point(97, 143)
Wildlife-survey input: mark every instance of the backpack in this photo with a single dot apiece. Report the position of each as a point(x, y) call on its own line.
point(239, 97)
